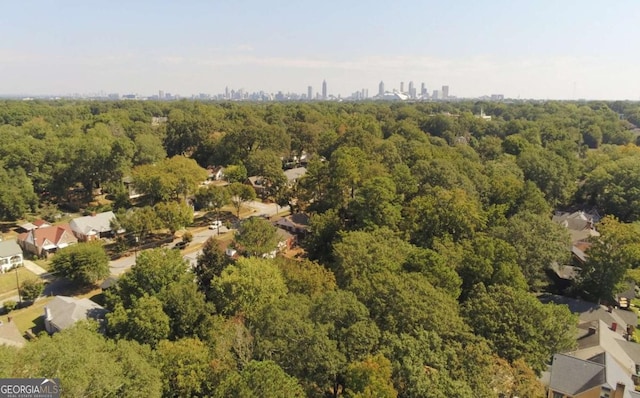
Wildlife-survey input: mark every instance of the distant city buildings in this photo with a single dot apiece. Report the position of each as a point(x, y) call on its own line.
point(383, 93)
point(412, 91)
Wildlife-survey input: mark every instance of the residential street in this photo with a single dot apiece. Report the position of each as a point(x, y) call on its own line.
point(267, 209)
point(122, 264)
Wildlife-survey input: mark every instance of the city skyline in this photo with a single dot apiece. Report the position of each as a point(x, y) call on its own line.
point(229, 93)
point(533, 49)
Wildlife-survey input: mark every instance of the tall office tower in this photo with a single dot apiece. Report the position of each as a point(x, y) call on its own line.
point(381, 89)
point(445, 92)
point(324, 89)
point(226, 92)
point(362, 94)
point(412, 90)
point(434, 95)
point(402, 87)
point(423, 89)
point(309, 93)
point(161, 94)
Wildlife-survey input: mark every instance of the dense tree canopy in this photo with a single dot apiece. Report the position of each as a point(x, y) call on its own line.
point(429, 231)
point(83, 263)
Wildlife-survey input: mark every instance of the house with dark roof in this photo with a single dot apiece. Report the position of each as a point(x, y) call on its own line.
point(94, 226)
point(45, 241)
point(63, 312)
point(598, 376)
point(297, 223)
point(10, 255)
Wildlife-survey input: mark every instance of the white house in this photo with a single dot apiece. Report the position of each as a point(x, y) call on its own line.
point(10, 255)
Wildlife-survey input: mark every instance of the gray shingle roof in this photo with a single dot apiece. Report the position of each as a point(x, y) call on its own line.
point(294, 174)
point(99, 223)
point(65, 311)
point(9, 248)
point(571, 376)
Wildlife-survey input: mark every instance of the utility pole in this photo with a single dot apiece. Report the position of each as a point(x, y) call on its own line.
point(18, 286)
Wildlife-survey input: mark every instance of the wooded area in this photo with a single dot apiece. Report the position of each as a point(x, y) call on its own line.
point(430, 233)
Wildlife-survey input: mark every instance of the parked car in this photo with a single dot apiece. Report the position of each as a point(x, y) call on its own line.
point(180, 245)
point(215, 224)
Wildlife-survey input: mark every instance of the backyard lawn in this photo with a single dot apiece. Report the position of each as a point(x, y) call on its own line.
point(31, 317)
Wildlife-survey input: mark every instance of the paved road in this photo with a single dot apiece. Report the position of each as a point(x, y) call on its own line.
point(122, 264)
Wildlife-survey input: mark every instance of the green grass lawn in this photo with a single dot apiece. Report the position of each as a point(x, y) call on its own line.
point(46, 264)
point(31, 317)
point(8, 280)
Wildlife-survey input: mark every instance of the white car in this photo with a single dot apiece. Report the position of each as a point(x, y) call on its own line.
point(215, 224)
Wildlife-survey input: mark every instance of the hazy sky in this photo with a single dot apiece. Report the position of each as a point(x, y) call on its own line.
point(560, 49)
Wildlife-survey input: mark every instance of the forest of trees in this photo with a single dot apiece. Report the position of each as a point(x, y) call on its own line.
point(430, 234)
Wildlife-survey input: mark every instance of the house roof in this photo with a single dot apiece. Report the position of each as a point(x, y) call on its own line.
point(565, 271)
point(295, 173)
point(577, 221)
point(65, 311)
point(572, 376)
point(606, 340)
point(297, 220)
point(35, 225)
point(10, 335)
point(590, 312)
point(283, 235)
point(579, 224)
point(52, 234)
point(256, 181)
point(614, 374)
point(93, 224)
point(9, 248)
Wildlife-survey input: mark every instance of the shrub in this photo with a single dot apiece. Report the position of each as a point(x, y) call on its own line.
point(31, 289)
point(10, 305)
